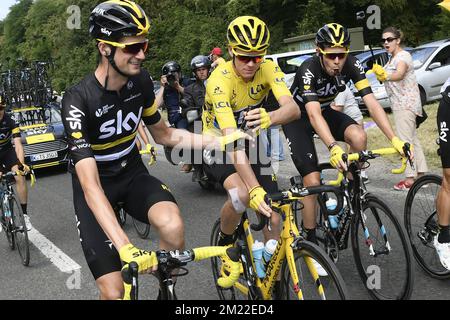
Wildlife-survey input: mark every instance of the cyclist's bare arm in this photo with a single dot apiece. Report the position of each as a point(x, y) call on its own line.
point(318, 122)
point(19, 149)
point(288, 111)
point(162, 134)
point(379, 116)
point(87, 173)
point(142, 133)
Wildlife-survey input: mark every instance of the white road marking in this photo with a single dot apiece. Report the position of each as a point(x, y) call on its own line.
point(62, 261)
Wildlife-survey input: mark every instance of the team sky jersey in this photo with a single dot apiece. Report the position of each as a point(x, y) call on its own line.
point(103, 124)
point(228, 95)
point(8, 130)
point(312, 83)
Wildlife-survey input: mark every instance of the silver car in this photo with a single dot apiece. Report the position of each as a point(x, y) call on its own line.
point(432, 68)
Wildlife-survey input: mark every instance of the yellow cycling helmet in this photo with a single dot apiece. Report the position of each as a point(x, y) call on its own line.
point(333, 35)
point(445, 4)
point(249, 35)
point(114, 19)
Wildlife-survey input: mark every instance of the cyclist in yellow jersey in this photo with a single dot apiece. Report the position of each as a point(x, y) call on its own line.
point(234, 92)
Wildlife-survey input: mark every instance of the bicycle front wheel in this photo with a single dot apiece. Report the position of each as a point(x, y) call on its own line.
point(240, 290)
point(421, 224)
point(20, 232)
point(381, 252)
point(327, 285)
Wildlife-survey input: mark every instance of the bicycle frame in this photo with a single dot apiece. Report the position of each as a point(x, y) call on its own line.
point(289, 237)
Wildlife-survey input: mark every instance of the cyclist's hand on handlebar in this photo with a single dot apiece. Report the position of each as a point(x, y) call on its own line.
point(258, 201)
point(258, 119)
point(147, 261)
point(336, 153)
point(400, 146)
point(23, 169)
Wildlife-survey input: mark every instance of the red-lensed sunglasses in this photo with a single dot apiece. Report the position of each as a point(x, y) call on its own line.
point(247, 59)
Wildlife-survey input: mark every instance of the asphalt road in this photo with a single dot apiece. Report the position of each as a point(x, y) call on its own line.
point(58, 269)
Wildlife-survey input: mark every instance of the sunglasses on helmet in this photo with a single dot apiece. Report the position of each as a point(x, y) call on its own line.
point(334, 55)
point(247, 59)
point(130, 48)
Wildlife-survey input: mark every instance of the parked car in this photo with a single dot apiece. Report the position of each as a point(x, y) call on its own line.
point(290, 61)
point(43, 136)
point(432, 68)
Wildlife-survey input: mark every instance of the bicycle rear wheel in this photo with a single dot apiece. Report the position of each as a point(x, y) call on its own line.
point(235, 292)
point(20, 232)
point(422, 225)
point(142, 229)
point(9, 235)
point(387, 272)
point(329, 287)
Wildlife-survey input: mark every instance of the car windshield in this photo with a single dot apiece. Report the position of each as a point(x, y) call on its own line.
point(420, 55)
point(290, 64)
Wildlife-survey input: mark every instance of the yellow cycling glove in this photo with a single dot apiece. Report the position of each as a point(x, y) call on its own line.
point(398, 145)
point(145, 259)
point(265, 118)
point(257, 195)
point(23, 169)
point(336, 153)
point(379, 72)
point(230, 138)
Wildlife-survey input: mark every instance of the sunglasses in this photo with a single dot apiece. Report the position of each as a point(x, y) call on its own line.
point(130, 48)
point(334, 55)
point(390, 39)
point(247, 59)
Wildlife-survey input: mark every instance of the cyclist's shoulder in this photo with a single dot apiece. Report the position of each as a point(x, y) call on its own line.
point(81, 90)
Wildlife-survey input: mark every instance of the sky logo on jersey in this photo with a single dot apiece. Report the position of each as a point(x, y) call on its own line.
point(360, 67)
point(328, 90)
point(443, 131)
point(307, 77)
point(120, 124)
point(75, 118)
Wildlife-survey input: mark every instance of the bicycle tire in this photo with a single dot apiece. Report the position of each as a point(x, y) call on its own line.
point(9, 237)
point(224, 294)
point(309, 285)
point(20, 232)
point(142, 229)
point(379, 279)
point(420, 205)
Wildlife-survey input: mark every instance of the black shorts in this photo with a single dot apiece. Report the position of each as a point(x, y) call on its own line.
point(299, 135)
point(8, 159)
point(138, 191)
point(443, 123)
point(221, 169)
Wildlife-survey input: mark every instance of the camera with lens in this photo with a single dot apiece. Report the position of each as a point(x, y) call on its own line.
point(171, 69)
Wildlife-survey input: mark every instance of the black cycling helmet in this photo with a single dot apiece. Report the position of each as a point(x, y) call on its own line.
point(200, 62)
point(171, 67)
point(333, 35)
point(115, 19)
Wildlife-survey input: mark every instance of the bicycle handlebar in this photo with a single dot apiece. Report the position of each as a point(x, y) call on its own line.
point(175, 259)
point(372, 154)
point(294, 194)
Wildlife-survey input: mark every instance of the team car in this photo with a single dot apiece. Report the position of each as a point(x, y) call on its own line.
point(43, 136)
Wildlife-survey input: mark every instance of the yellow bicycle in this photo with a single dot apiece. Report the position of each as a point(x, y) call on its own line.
point(294, 257)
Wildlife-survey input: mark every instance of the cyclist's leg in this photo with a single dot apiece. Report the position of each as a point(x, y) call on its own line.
point(443, 200)
point(299, 134)
point(101, 255)
point(150, 201)
point(11, 162)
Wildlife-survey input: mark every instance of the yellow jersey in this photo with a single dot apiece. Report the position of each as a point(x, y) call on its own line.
point(228, 96)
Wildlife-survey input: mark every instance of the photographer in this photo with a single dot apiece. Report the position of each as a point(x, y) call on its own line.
point(171, 93)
